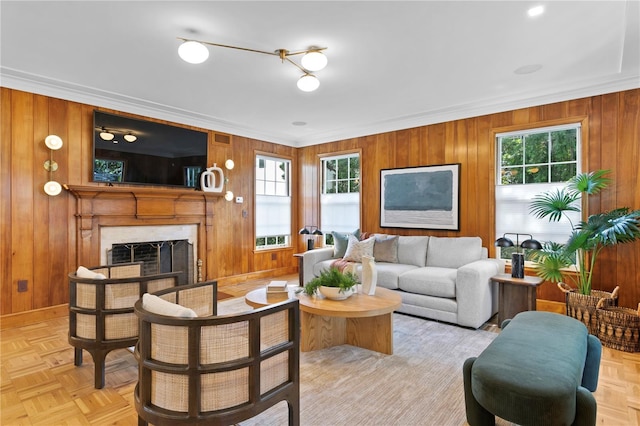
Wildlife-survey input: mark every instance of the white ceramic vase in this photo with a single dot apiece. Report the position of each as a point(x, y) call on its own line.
point(369, 275)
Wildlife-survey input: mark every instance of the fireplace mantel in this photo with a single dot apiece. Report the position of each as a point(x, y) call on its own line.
point(100, 206)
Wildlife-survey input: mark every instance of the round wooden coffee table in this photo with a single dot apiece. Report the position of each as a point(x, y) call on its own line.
point(360, 320)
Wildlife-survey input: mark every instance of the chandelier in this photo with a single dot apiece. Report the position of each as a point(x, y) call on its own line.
point(196, 52)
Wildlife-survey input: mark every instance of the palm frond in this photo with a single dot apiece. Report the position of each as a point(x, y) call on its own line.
point(590, 182)
point(553, 203)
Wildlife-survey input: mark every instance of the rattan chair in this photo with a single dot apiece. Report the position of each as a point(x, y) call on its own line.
point(216, 370)
point(101, 316)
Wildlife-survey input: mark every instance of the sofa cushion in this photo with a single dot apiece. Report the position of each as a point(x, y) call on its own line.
point(389, 273)
point(341, 241)
point(385, 248)
point(412, 250)
point(430, 281)
point(453, 252)
point(356, 249)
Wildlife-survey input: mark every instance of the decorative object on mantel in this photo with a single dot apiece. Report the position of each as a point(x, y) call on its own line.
point(310, 230)
point(517, 258)
point(339, 285)
point(369, 275)
point(212, 179)
point(54, 143)
point(195, 52)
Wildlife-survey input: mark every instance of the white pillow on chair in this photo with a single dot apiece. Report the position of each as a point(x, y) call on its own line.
point(160, 306)
point(83, 272)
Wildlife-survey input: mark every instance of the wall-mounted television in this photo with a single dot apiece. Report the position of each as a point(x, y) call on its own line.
point(131, 151)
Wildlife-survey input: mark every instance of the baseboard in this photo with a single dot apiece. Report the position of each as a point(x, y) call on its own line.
point(33, 316)
point(551, 306)
point(237, 279)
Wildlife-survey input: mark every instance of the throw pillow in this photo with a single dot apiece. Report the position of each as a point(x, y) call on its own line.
point(153, 303)
point(356, 249)
point(385, 249)
point(83, 272)
point(340, 242)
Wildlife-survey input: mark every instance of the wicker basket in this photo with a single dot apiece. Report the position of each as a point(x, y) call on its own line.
point(583, 307)
point(619, 328)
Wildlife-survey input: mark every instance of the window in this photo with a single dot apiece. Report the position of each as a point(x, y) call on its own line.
point(340, 197)
point(273, 202)
point(529, 163)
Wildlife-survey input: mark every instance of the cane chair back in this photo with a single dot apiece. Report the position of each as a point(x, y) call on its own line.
point(217, 370)
point(101, 316)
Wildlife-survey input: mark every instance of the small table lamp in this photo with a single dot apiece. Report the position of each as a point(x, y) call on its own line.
point(309, 230)
point(517, 258)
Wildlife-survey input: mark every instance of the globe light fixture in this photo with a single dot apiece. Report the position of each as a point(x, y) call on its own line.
point(308, 83)
point(129, 137)
point(313, 59)
point(193, 52)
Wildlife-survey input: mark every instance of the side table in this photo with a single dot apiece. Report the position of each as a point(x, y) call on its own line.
point(300, 268)
point(515, 295)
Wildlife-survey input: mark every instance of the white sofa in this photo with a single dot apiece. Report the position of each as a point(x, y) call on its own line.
point(445, 279)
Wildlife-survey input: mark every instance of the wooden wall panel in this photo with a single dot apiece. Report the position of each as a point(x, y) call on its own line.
point(39, 237)
point(612, 142)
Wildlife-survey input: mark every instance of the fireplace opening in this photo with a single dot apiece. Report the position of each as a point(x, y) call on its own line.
point(157, 257)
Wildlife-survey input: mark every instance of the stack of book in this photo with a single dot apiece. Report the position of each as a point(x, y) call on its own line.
point(277, 287)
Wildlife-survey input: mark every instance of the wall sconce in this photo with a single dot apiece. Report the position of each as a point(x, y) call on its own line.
point(313, 231)
point(517, 258)
point(229, 165)
point(52, 187)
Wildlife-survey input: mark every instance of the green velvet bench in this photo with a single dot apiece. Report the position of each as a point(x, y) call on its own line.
point(540, 370)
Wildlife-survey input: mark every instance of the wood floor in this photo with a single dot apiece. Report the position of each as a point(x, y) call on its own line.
point(41, 386)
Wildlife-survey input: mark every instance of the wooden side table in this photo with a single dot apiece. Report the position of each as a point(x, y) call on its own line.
point(300, 268)
point(515, 295)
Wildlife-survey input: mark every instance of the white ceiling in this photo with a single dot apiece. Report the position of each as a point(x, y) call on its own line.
point(392, 65)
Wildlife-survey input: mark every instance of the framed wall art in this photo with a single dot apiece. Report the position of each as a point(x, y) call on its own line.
point(425, 197)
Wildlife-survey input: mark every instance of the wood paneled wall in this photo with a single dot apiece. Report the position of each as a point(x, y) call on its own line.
point(611, 141)
point(38, 233)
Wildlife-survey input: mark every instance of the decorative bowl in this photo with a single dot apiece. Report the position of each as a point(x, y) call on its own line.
point(334, 293)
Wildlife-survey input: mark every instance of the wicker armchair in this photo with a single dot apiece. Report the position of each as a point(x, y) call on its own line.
point(216, 370)
point(101, 316)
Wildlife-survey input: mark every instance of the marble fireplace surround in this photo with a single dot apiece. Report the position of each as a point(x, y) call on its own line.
point(105, 215)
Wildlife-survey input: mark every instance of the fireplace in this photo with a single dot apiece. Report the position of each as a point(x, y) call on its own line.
point(157, 257)
point(164, 248)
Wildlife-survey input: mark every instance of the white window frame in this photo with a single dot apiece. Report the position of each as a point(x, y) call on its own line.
point(512, 201)
point(339, 212)
point(273, 203)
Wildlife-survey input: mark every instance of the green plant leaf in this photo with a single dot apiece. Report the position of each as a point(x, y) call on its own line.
point(553, 203)
point(589, 183)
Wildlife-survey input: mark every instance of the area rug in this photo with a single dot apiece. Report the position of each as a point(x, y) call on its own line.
point(420, 384)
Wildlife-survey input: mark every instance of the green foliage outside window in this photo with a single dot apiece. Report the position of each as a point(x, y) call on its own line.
point(538, 157)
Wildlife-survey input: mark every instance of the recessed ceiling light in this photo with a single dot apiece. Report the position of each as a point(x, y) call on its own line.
point(535, 11)
point(299, 123)
point(528, 69)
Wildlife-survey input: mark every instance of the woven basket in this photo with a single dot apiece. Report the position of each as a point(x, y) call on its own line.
point(583, 307)
point(619, 328)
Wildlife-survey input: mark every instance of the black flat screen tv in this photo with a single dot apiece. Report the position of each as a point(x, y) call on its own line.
point(132, 151)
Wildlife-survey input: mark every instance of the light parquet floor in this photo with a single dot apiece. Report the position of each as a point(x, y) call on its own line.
point(39, 384)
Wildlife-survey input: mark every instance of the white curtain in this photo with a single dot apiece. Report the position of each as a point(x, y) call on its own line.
point(513, 216)
point(273, 215)
point(339, 212)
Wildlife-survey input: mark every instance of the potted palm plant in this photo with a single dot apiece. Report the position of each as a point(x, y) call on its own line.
point(332, 284)
point(588, 238)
